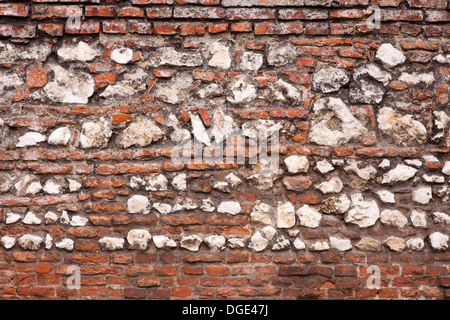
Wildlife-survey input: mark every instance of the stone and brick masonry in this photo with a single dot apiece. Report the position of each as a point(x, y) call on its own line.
point(95, 95)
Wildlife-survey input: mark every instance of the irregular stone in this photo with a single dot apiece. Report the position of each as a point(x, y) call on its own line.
point(122, 55)
point(209, 91)
point(198, 130)
point(284, 91)
point(334, 185)
point(9, 82)
point(30, 242)
point(78, 221)
point(386, 196)
point(151, 182)
point(48, 241)
point(95, 134)
point(207, 205)
point(262, 212)
point(415, 244)
point(74, 185)
point(184, 204)
point(433, 178)
point(64, 218)
point(52, 187)
point(333, 123)
point(422, 195)
point(441, 218)
point(138, 204)
point(162, 208)
point(117, 90)
point(446, 168)
point(69, 86)
point(12, 217)
point(220, 55)
point(236, 242)
point(139, 239)
point(241, 90)
point(35, 51)
point(368, 84)
point(393, 218)
point(233, 180)
point(8, 242)
point(60, 136)
point(50, 217)
point(414, 163)
point(395, 244)
point(336, 205)
point(30, 218)
point(140, 133)
point(440, 121)
point(258, 242)
point(179, 182)
point(111, 243)
point(215, 242)
point(250, 61)
point(268, 128)
point(299, 244)
point(367, 172)
point(416, 78)
point(269, 232)
point(177, 90)
point(281, 243)
point(78, 52)
point(329, 79)
point(340, 244)
point(309, 217)
point(162, 241)
point(438, 241)
point(385, 164)
point(231, 207)
point(403, 130)
point(171, 57)
point(222, 125)
point(66, 244)
point(419, 219)
point(191, 243)
point(6, 182)
point(28, 184)
point(390, 56)
point(296, 164)
point(30, 139)
point(399, 174)
point(323, 166)
point(369, 244)
point(285, 214)
point(279, 53)
point(362, 213)
point(319, 246)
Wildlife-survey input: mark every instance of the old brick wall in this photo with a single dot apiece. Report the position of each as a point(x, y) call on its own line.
point(96, 95)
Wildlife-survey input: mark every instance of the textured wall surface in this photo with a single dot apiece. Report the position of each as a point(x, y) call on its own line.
point(96, 97)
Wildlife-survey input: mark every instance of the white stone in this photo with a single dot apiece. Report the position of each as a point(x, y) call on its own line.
point(179, 182)
point(367, 172)
point(281, 243)
point(66, 244)
point(138, 204)
point(191, 243)
point(285, 215)
point(395, 244)
point(319, 246)
point(140, 133)
point(74, 185)
point(52, 187)
point(8, 242)
point(81, 52)
point(386, 196)
point(279, 53)
point(139, 238)
point(419, 219)
point(176, 90)
point(48, 241)
point(220, 52)
point(241, 89)
point(30, 218)
point(207, 205)
point(324, 166)
point(151, 182)
point(162, 241)
point(433, 178)
point(12, 217)
point(184, 204)
point(399, 174)
point(50, 217)
point(112, 243)
point(122, 55)
point(340, 244)
point(415, 244)
point(78, 221)
point(209, 90)
point(233, 180)
point(199, 131)
point(362, 213)
point(30, 139)
point(416, 78)
point(422, 195)
point(163, 208)
point(35, 51)
point(390, 56)
point(95, 134)
point(64, 218)
point(439, 241)
point(9, 83)
point(309, 217)
point(215, 242)
point(334, 185)
point(258, 242)
point(446, 168)
point(231, 207)
point(385, 164)
point(236, 242)
point(30, 242)
point(369, 244)
point(222, 125)
point(250, 61)
point(296, 164)
point(393, 218)
point(416, 163)
point(269, 232)
point(262, 212)
point(336, 205)
point(299, 244)
point(441, 218)
point(170, 56)
point(283, 91)
point(28, 184)
point(60, 136)
point(329, 79)
point(334, 123)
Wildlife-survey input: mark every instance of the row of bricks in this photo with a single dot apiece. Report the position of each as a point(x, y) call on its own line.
point(199, 29)
point(42, 12)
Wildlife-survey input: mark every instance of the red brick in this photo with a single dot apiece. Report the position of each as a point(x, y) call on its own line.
point(114, 27)
point(165, 28)
point(100, 11)
point(14, 10)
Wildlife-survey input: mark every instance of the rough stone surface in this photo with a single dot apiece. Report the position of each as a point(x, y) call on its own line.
point(329, 79)
point(140, 133)
point(390, 56)
point(95, 134)
point(363, 213)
